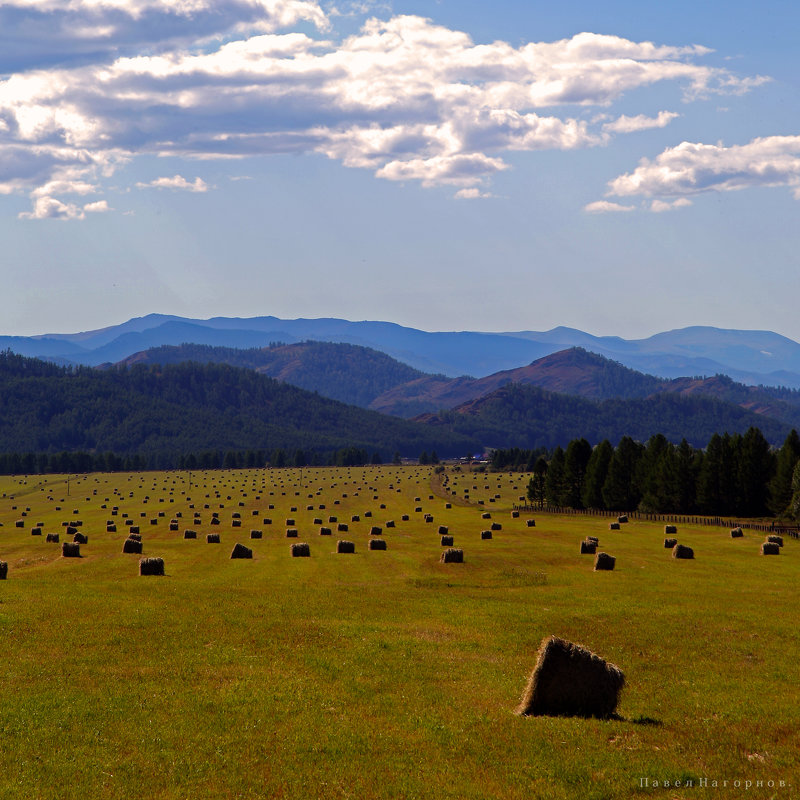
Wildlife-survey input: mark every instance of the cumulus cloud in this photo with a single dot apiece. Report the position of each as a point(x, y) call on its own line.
point(692, 168)
point(176, 182)
point(640, 122)
point(473, 193)
point(404, 97)
point(605, 207)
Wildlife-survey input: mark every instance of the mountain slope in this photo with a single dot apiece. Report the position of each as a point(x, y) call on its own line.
point(527, 416)
point(188, 408)
point(345, 372)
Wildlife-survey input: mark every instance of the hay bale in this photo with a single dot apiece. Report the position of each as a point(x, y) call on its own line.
point(770, 549)
point(36, 531)
point(531, 523)
point(737, 533)
point(173, 526)
point(593, 539)
point(236, 523)
point(343, 546)
point(291, 533)
point(289, 523)
point(405, 518)
point(189, 534)
point(418, 509)
point(324, 531)
point(377, 544)
point(367, 514)
point(71, 530)
point(390, 523)
point(317, 521)
point(3, 570)
point(496, 526)
point(669, 543)
point(240, 551)
point(670, 529)
point(588, 548)
point(151, 566)
point(20, 523)
point(486, 534)
point(355, 518)
point(215, 520)
point(111, 528)
point(682, 551)
point(342, 527)
point(452, 556)
point(52, 537)
point(135, 536)
point(301, 550)
point(514, 514)
point(80, 538)
point(133, 529)
point(132, 546)
point(486, 515)
point(447, 541)
point(773, 538)
point(429, 518)
point(256, 534)
point(603, 561)
point(622, 518)
point(613, 526)
point(333, 520)
point(212, 538)
point(569, 680)
point(70, 550)
point(375, 531)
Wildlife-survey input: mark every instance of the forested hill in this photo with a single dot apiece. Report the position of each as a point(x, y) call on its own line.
point(346, 372)
point(530, 417)
point(188, 407)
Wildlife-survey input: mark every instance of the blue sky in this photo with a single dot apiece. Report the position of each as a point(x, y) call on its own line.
point(619, 167)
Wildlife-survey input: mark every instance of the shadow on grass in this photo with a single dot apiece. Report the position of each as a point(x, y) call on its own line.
point(642, 720)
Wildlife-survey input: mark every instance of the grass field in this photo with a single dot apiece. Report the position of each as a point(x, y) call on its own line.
point(378, 674)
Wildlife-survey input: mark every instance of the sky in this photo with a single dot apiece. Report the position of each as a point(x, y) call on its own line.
point(624, 167)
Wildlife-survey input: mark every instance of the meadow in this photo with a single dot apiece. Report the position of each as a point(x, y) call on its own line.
point(378, 674)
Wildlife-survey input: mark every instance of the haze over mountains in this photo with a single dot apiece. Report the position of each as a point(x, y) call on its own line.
point(750, 357)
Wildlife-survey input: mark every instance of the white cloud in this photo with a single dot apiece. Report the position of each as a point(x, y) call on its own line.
point(52, 208)
point(473, 193)
point(99, 206)
point(176, 182)
point(692, 168)
point(605, 207)
point(640, 122)
point(405, 98)
point(659, 206)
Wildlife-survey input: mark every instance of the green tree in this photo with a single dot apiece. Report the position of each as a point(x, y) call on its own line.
point(756, 467)
point(780, 487)
point(596, 472)
point(796, 492)
point(620, 491)
point(576, 459)
point(554, 479)
point(536, 485)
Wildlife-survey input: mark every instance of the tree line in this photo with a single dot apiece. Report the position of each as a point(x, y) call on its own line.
point(735, 474)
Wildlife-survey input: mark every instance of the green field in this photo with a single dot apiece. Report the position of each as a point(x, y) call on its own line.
point(378, 674)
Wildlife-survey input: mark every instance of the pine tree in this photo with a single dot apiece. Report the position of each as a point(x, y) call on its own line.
point(554, 480)
point(576, 459)
point(596, 472)
point(620, 491)
point(780, 487)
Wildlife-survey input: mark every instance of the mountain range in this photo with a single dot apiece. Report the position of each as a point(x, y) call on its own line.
point(749, 357)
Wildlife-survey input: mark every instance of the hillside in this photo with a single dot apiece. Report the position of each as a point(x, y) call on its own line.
point(189, 407)
point(345, 372)
point(529, 417)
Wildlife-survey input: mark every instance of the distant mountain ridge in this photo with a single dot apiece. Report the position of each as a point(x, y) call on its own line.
point(750, 357)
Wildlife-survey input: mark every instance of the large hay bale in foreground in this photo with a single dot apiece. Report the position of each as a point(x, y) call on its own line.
point(603, 561)
point(151, 566)
point(377, 544)
point(588, 548)
point(240, 551)
point(770, 549)
point(682, 551)
point(670, 529)
point(452, 556)
point(737, 533)
point(3, 570)
point(669, 543)
point(447, 541)
point(343, 546)
point(773, 538)
point(569, 680)
point(132, 546)
point(70, 549)
point(301, 550)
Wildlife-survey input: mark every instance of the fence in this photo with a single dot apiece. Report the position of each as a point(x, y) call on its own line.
point(724, 522)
